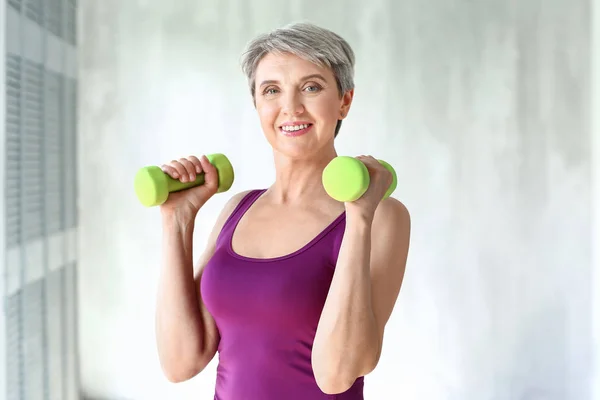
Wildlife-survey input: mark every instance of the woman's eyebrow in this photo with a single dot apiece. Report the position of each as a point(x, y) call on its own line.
point(311, 76)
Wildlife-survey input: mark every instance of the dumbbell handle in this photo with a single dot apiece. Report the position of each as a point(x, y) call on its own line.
point(175, 185)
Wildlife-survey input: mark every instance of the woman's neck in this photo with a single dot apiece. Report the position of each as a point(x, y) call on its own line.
point(298, 180)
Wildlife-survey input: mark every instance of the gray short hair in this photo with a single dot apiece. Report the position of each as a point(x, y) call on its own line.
point(311, 42)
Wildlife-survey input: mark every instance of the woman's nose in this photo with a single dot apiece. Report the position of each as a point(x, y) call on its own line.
point(293, 105)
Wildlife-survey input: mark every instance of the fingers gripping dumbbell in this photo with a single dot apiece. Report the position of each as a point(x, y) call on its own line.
point(153, 186)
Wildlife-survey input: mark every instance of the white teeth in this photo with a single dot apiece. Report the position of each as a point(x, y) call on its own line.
point(292, 128)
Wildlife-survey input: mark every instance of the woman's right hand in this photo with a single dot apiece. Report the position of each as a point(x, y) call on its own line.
point(192, 199)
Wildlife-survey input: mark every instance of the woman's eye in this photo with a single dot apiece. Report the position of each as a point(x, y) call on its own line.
point(312, 88)
point(270, 91)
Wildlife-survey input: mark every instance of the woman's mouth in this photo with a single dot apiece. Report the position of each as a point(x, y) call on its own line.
point(295, 130)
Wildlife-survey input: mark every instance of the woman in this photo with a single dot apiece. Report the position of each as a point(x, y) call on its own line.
point(293, 289)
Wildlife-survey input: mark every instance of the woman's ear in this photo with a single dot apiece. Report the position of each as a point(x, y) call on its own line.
point(346, 103)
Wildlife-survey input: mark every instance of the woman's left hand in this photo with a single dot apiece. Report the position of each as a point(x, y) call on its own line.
point(380, 181)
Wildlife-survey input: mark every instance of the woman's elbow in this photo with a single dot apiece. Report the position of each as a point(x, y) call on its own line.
point(332, 388)
point(342, 379)
point(181, 371)
point(178, 374)
point(334, 383)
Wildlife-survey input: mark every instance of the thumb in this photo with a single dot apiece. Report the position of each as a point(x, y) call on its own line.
point(211, 175)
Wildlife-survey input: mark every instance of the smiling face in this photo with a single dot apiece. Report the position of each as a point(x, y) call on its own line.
point(298, 104)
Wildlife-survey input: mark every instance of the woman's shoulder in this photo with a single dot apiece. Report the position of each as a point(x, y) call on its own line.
point(230, 206)
point(234, 202)
point(237, 198)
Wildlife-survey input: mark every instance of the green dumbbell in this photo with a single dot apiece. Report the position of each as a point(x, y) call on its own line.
point(346, 178)
point(153, 186)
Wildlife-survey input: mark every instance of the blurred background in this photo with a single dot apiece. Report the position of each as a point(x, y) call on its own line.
point(486, 110)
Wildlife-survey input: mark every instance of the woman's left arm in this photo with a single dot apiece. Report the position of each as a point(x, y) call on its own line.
point(365, 286)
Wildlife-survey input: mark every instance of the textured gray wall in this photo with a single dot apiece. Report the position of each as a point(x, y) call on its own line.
point(483, 107)
point(595, 118)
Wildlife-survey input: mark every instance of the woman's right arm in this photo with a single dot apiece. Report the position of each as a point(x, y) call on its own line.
point(186, 334)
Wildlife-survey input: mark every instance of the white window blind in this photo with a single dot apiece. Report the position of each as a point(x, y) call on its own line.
point(39, 201)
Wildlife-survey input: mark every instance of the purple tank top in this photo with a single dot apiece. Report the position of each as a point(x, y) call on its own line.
point(267, 312)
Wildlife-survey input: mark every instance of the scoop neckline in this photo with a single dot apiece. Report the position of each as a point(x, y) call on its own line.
point(302, 249)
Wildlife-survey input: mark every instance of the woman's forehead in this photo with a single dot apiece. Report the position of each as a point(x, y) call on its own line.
point(288, 66)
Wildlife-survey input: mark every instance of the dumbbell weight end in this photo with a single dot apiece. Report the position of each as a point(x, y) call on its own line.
point(346, 178)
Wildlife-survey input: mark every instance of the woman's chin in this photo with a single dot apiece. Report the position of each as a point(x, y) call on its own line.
point(297, 147)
